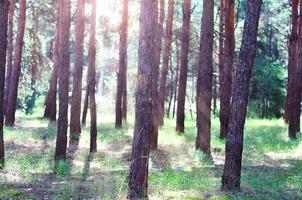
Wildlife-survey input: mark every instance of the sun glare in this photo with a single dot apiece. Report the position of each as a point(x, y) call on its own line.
point(111, 10)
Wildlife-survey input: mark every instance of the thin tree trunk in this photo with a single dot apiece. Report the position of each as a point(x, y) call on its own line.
point(171, 88)
point(4, 8)
point(160, 12)
point(234, 143)
point(166, 56)
point(205, 79)
point(92, 79)
point(176, 78)
point(121, 95)
point(138, 177)
point(292, 58)
point(221, 44)
point(183, 71)
point(16, 70)
point(125, 100)
point(295, 101)
point(64, 60)
point(86, 103)
point(226, 72)
point(50, 110)
point(10, 48)
point(75, 117)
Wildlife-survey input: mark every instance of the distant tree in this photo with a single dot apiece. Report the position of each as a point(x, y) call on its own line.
point(10, 48)
point(75, 117)
point(205, 79)
point(16, 69)
point(234, 143)
point(92, 79)
point(121, 95)
point(227, 67)
point(50, 110)
point(292, 106)
point(86, 102)
point(138, 177)
point(166, 56)
point(183, 71)
point(64, 60)
point(4, 8)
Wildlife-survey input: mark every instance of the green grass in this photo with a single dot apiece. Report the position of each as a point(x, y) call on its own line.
point(272, 164)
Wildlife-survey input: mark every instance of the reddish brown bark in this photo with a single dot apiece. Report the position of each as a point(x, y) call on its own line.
point(226, 71)
point(166, 56)
point(292, 58)
point(50, 110)
point(121, 95)
point(10, 48)
point(75, 117)
point(138, 177)
point(92, 81)
point(64, 59)
point(295, 84)
point(183, 71)
point(205, 79)
point(16, 70)
point(234, 143)
point(4, 7)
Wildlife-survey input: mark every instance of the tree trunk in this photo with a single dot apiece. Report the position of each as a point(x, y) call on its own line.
point(75, 117)
point(10, 48)
point(166, 56)
point(138, 177)
point(92, 81)
point(226, 71)
point(205, 79)
point(234, 143)
point(295, 102)
point(4, 8)
point(292, 58)
point(64, 60)
point(16, 70)
point(176, 78)
point(50, 111)
point(183, 71)
point(121, 94)
point(86, 102)
point(158, 44)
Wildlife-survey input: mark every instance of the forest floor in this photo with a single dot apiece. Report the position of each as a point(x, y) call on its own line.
point(272, 164)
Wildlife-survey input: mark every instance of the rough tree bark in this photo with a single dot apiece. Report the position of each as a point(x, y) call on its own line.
point(183, 71)
point(75, 116)
point(205, 79)
point(234, 143)
point(138, 177)
point(16, 70)
point(226, 71)
point(92, 81)
point(50, 110)
point(292, 57)
point(64, 60)
point(4, 7)
point(10, 48)
point(121, 94)
point(166, 56)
